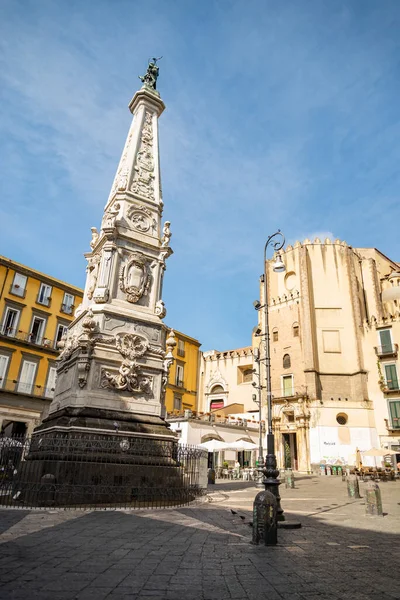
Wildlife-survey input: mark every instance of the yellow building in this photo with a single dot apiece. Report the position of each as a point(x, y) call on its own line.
point(35, 310)
point(182, 384)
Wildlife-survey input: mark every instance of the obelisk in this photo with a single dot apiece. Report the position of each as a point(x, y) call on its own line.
point(113, 366)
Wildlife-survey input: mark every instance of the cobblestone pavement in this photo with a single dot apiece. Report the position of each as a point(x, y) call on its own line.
point(204, 552)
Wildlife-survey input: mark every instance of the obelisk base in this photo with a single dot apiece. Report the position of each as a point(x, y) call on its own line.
point(86, 456)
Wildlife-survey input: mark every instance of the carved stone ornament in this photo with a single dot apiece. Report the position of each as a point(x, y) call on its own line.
point(121, 178)
point(89, 324)
point(134, 278)
point(70, 344)
point(101, 295)
point(131, 345)
point(143, 180)
point(92, 271)
point(129, 377)
point(140, 221)
point(110, 216)
point(160, 309)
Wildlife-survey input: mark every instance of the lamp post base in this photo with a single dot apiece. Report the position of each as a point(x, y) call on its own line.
point(260, 473)
point(271, 482)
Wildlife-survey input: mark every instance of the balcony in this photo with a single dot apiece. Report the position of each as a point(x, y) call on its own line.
point(394, 425)
point(68, 309)
point(386, 351)
point(28, 338)
point(25, 389)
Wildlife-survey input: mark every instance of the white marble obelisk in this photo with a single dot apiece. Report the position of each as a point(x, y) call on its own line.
point(113, 366)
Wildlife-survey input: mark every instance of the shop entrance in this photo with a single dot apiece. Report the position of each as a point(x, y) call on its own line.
point(290, 451)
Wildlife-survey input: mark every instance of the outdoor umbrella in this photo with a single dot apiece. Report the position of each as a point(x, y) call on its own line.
point(213, 445)
point(240, 445)
point(378, 452)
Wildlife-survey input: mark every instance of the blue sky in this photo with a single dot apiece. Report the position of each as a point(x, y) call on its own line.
point(279, 115)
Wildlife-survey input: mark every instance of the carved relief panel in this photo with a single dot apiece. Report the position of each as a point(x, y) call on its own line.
point(134, 278)
point(143, 180)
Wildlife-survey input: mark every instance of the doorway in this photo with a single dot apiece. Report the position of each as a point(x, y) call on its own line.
point(290, 451)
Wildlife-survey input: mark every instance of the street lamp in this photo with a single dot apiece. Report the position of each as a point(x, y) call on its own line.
point(257, 400)
point(270, 471)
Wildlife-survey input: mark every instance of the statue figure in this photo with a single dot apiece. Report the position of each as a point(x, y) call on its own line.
point(95, 237)
point(151, 75)
point(111, 216)
point(93, 270)
point(166, 234)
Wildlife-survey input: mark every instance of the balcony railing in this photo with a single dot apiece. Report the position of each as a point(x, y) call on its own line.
point(216, 418)
point(179, 383)
point(26, 389)
point(30, 338)
point(67, 308)
point(387, 350)
point(392, 425)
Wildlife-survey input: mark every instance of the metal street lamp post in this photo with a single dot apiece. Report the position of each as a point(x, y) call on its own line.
point(258, 401)
point(270, 471)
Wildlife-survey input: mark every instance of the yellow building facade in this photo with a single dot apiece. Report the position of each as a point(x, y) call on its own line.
point(181, 393)
point(35, 310)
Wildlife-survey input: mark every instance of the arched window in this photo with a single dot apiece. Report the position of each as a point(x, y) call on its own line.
point(275, 334)
point(286, 361)
point(217, 389)
point(296, 329)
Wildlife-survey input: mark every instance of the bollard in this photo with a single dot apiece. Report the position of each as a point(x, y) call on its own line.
point(211, 476)
point(47, 490)
point(289, 479)
point(265, 526)
point(373, 504)
point(353, 489)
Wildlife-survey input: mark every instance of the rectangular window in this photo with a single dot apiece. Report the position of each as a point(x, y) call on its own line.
point(394, 407)
point(68, 304)
point(27, 377)
point(385, 338)
point(177, 403)
point(181, 348)
point(61, 329)
point(287, 385)
point(37, 330)
point(10, 322)
point(44, 294)
point(18, 285)
point(275, 335)
point(179, 376)
point(391, 377)
point(51, 383)
point(3, 369)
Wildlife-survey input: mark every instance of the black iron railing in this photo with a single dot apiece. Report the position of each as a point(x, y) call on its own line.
point(93, 471)
point(386, 350)
point(29, 338)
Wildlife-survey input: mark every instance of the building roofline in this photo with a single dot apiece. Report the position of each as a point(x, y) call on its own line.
point(20, 268)
point(184, 335)
point(394, 262)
